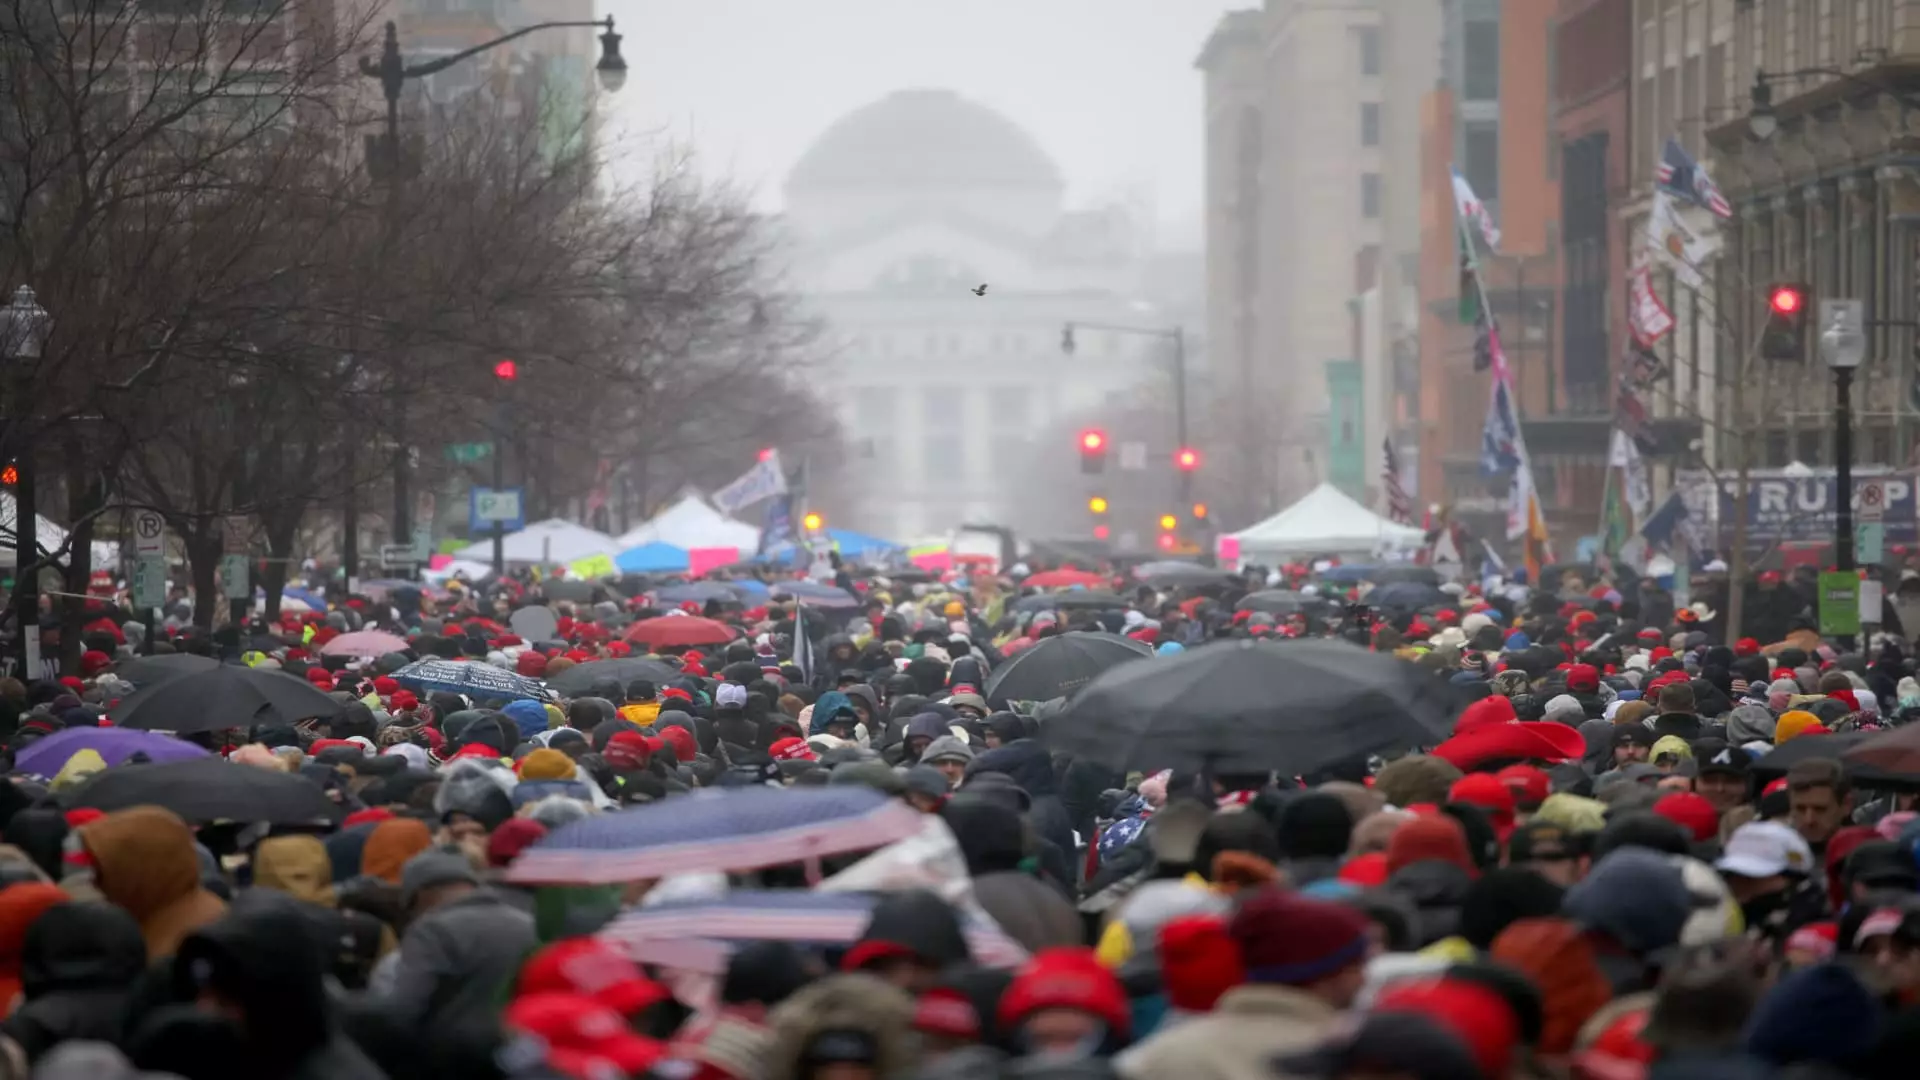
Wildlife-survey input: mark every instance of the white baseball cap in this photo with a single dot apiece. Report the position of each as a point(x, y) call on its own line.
point(1761, 849)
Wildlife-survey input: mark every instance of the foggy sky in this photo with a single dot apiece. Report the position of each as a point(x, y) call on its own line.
point(1106, 86)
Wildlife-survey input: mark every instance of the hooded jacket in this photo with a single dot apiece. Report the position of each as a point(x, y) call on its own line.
point(265, 958)
point(298, 867)
point(75, 970)
point(855, 1003)
point(144, 862)
point(455, 959)
point(831, 704)
point(1030, 766)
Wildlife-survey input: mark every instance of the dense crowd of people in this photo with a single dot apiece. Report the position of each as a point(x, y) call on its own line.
point(1638, 850)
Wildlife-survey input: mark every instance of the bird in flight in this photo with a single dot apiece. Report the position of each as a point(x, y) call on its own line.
point(980, 290)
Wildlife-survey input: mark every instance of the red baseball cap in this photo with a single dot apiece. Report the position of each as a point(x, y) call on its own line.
point(592, 968)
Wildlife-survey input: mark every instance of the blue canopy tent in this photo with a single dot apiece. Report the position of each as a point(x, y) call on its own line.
point(654, 558)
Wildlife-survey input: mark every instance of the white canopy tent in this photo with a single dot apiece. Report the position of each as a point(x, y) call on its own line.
point(1326, 522)
point(551, 541)
point(690, 524)
point(49, 537)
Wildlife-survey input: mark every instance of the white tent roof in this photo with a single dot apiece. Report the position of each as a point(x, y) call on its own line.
point(1326, 521)
point(50, 537)
point(691, 523)
point(549, 541)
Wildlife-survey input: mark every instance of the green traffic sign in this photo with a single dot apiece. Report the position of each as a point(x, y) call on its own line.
point(1839, 603)
point(466, 453)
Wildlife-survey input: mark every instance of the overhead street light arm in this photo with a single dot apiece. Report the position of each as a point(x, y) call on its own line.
point(393, 71)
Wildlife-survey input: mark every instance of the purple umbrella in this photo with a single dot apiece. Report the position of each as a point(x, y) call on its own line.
point(45, 757)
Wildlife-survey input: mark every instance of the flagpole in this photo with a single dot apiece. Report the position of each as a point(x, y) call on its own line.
point(1502, 374)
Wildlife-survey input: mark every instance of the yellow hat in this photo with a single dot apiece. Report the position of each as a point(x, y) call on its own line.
point(546, 764)
point(956, 610)
point(1792, 723)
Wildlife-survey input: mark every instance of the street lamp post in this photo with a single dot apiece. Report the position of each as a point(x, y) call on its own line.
point(393, 72)
point(1843, 344)
point(24, 326)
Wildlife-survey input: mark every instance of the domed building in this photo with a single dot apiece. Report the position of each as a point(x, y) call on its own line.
point(898, 212)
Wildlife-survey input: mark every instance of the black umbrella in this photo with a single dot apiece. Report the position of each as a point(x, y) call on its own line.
point(211, 789)
point(1060, 665)
point(1406, 596)
point(1071, 598)
point(579, 679)
point(1247, 707)
point(1776, 762)
point(146, 670)
point(227, 696)
point(1275, 601)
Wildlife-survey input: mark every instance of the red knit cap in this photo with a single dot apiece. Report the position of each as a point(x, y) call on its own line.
point(1479, 1016)
point(531, 664)
point(1436, 838)
point(320, 677)
point(1292, 940)
point(385, 685)
point(1066, 978)
point(627, 751)
point(1199, 961)
point(685, 746)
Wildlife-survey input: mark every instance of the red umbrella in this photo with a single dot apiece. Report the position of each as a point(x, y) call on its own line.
point(678, 631)
point(1063, 579)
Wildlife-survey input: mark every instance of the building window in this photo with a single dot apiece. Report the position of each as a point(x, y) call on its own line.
point(1369, 44)
point(1370, 124)
point(1370, 195)
point(1481, 62)
point(1482, 156)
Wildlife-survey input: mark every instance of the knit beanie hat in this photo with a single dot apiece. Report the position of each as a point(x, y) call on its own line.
point(1635, 896)
point(1433, 837)
point(1199, 961)
point(546, 764)
point(1822, 1014)
point(1295, 941)
point(1561, 963)
point(1503, 897)
point(1793, 722)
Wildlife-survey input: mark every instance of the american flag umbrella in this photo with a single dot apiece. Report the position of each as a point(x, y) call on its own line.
point(716, 830)
point(469, 677)
point(679, 631)
point(702, 934)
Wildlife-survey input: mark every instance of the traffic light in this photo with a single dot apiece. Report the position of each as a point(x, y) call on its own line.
point(1097, 504)
point(766, 453)
point(9, 475)
point(1199, 511)
point(1785, 336)
point(1169, 522)
point(1166, 541)
point(1186, 459)
point(1100, 532)
point(813, 522)
point(1093, 451)
point(506, 370)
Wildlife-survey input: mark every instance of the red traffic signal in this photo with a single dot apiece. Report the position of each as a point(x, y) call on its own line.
point(1187, 459)
point(1166, 541)
point(1093, 440)
point(506, 370)
point(1786, 300)
point(1101, 532)
point(9, 475)
point(766, 454)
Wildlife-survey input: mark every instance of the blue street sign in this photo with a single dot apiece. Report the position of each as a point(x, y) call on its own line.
point(487, 507)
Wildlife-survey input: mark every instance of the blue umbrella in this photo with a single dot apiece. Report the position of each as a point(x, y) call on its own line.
point(469, 677)
point(719, 830)
point(654, 558)
point(701, 934)
point(306, 596)
point(1350, 573)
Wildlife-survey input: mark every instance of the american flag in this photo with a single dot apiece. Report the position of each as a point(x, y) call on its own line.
point(1399, 504)
point(1683, 176)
